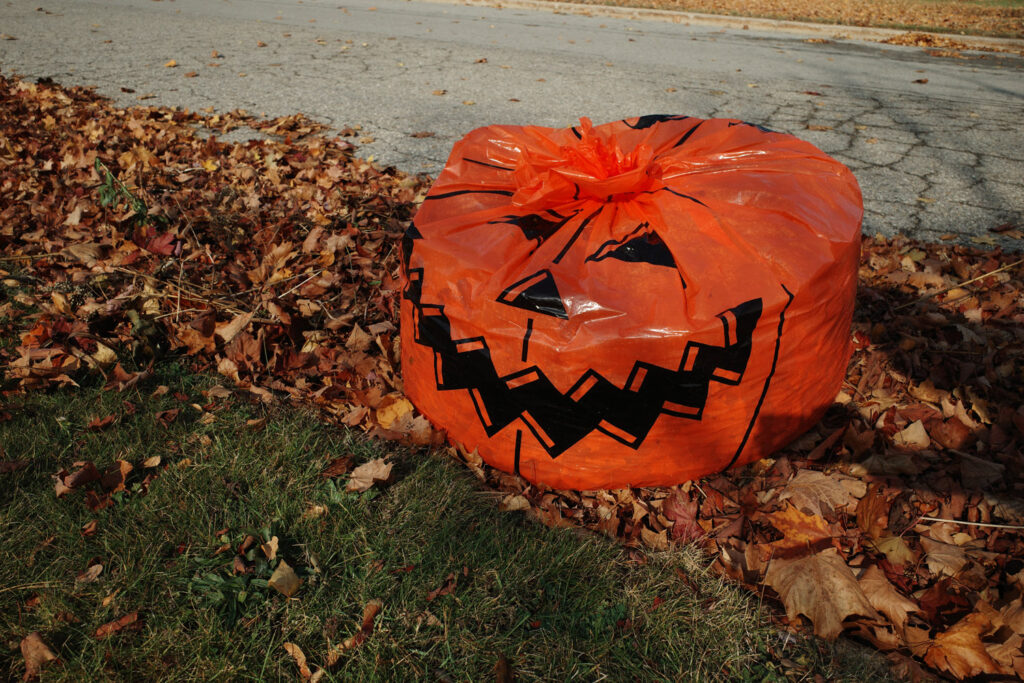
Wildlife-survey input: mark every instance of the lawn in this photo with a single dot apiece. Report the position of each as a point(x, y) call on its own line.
point(463, 587)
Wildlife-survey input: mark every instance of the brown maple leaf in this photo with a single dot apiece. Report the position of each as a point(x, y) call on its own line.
point(820, 587)
point(960, 650)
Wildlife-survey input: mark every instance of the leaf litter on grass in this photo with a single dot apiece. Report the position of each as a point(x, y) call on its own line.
point(275, 263)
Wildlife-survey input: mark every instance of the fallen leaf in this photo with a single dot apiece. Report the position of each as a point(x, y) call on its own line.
point(337, 467)
point(376, 471)
point(656, 540)
point(512, 503)
point(171, 64)
point(8, 466)
point(884, 598)
point(943, 558)
point(393, 408)
point(358, 339)
point(370, 612)
point(228, 331)
point(822, 588)
point(682, 510)
point(129, 621)
point(809, 489)
point(503, 670)
point(167, 417)
point(86, 473)
point(914, 436)
point(37, 655)
point(960, 651)
point(284, 580)
point(801, 533)
point(270, 548)
point(90, 574)
point(445, 588)
point(300, 661)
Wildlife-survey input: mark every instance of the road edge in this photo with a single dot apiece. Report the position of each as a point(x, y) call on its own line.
point(831, 31)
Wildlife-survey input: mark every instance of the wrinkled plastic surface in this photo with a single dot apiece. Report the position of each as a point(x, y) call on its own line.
point(635, 304)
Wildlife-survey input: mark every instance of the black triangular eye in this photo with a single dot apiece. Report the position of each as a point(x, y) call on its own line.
point(652, 119)
point(537, 293)
point(646, 248)
point(536, 226)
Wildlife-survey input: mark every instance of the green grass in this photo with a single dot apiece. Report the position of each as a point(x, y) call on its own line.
point(558, 604)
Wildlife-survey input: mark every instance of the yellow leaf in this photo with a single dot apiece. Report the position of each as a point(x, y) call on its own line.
point(171, 64)
point(392, 409)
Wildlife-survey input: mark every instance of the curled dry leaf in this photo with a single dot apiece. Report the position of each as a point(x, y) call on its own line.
point(85, 474)
point(284, 580)
point(820, 587)
point(446, 588)
point(129, 621)
point(300, 661)
point(370, 612)
point(960, 651)
point(270, 548)
point(90, 574)
point(376, 471)
point(914, 436)
point(337, 467)
point(37, 654)
point(512, 503)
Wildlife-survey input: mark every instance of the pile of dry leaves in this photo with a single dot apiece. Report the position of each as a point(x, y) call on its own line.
point(898, 520)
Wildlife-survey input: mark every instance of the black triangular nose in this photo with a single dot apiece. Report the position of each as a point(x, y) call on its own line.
point(537, 293)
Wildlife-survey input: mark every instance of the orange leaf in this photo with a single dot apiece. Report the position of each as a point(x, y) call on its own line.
point(960, 651)
point(117, 625)
point(800, 532)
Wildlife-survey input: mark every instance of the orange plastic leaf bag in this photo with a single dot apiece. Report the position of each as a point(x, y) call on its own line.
point(636, 304)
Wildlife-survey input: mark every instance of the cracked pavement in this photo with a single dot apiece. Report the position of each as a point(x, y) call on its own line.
point(941, 159)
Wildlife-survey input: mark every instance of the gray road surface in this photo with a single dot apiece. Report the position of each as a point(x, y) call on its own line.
point(936, 158)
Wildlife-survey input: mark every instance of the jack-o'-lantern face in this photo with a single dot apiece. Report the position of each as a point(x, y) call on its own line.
point(592, 330)
point(504, 390)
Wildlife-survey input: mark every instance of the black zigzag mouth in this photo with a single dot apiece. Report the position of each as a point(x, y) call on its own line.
point(560, 420)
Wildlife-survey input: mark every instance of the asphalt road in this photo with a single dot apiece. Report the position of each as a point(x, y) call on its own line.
point(936, 158)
